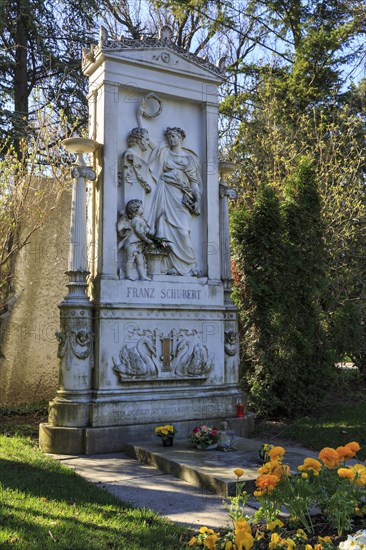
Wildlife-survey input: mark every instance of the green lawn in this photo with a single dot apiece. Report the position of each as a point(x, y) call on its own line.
point(45, 505)
point(336, 426)
point(339, 420)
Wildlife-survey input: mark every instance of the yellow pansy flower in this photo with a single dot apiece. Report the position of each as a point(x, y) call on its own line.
point(210, 541)
point(325, 539)
point(243, 539)
point(241, 524)
point(301, 534)
point(290, 544)
point(273, 524)
point(275, 540)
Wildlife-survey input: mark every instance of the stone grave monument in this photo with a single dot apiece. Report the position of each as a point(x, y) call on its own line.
point(148, 331)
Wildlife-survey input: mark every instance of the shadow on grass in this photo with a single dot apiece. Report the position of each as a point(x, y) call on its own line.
point(63, 485)
point(42, 508)
point(31, 529)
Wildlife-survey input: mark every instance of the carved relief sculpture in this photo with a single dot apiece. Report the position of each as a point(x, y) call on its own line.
point(137, 361)
point(180, 354)
point(80, 341)
point(177, 198)
point(134, 169)
point(132, 230)
point(231, 342)
point(191, 358)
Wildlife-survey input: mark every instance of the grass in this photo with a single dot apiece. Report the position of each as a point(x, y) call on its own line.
point(45, 505)
point(339, 420)
point(335, 427)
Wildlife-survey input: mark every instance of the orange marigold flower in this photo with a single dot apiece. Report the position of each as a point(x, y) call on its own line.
point(267, 482)
point(266, 468)
point(274, 467)
point(354, 446)
point(276, 453)
point(345, 452)
point(329, 457)
point(346, 472)
point(192, 541)
point(360, 474)
point(310, 464)
point(281, 470)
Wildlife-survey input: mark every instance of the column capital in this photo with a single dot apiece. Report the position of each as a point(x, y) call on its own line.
point(83, 172)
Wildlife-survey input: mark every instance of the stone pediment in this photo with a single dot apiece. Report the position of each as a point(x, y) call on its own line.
point(149, 52)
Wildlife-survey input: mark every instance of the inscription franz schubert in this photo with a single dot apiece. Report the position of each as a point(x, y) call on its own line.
point(164, 293)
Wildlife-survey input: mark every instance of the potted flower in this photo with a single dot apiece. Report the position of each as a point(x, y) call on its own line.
point(205, 437)
point(166, 433)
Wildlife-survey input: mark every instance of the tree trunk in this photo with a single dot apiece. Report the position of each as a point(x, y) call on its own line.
point(20, 75)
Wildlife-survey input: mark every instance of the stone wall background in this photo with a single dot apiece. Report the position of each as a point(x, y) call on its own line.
point(29, 364)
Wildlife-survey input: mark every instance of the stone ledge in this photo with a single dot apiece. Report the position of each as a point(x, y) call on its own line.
point(109, 439)
point(211, 470)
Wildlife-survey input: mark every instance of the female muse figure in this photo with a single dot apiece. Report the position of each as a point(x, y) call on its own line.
point(176, 199)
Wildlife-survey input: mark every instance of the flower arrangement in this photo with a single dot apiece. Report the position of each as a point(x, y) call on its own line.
point(326, 484)
point(160, 244)
point(204, 436)
point(165, 431)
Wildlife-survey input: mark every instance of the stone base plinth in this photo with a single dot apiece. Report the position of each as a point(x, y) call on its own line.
point(108, 439)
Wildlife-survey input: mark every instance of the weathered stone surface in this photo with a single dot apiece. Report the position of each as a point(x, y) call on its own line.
point(164, 326)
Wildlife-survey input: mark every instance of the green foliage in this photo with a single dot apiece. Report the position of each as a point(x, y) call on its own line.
point(277, 247)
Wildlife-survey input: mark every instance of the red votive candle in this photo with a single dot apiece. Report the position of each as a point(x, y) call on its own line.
point(240, 410)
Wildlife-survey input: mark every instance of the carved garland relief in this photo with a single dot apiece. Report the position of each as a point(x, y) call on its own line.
point(76, 341)
point(172, 173)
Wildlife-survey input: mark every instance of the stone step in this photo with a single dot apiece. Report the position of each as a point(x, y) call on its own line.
point(210, 469)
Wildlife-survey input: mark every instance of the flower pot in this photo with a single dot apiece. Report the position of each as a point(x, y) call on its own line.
point(154, 259)
point(206, 447)
point(167, 441)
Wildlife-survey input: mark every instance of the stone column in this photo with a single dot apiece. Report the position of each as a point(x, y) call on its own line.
point(225, 168)
point(75, 336)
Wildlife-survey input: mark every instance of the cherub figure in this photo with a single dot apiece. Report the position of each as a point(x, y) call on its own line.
point(133, 229)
